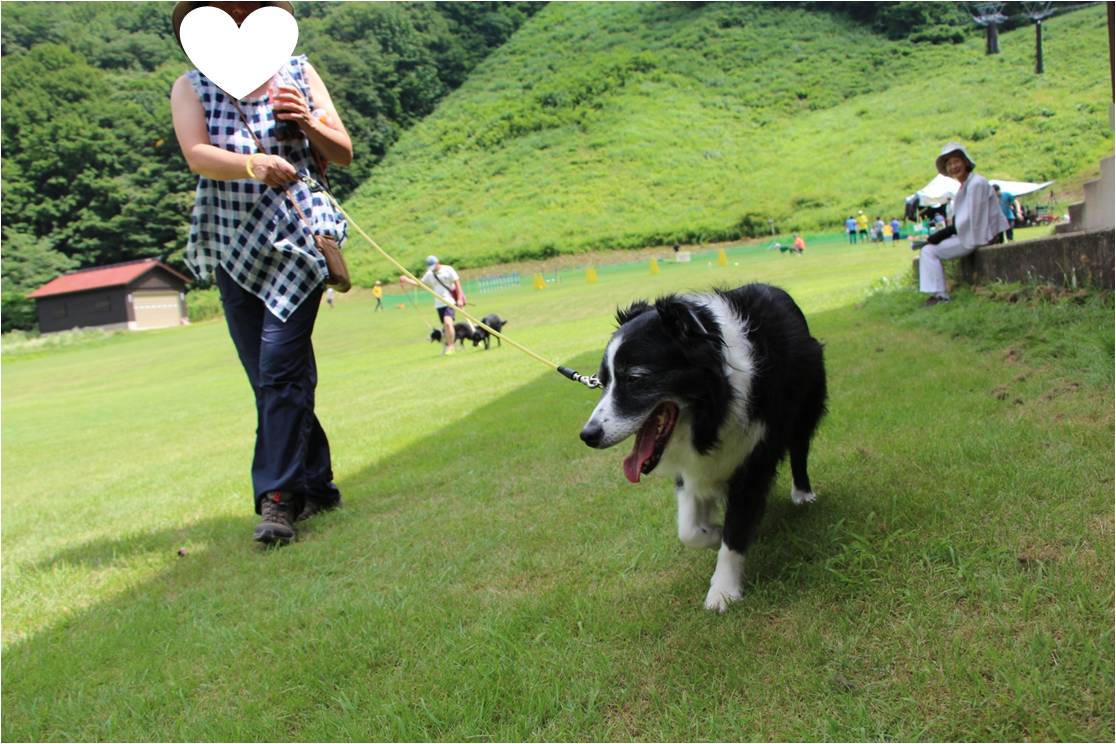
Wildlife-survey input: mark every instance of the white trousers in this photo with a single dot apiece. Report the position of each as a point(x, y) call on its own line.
point(931, 275)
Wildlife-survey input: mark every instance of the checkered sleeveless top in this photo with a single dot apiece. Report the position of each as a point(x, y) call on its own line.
point(249, 228)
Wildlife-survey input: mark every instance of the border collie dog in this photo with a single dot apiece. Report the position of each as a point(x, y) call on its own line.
point(717, 389)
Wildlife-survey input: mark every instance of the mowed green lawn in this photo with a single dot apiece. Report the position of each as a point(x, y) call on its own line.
point(491, 578)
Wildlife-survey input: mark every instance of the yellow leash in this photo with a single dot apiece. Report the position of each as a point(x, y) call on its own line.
point(589, 381)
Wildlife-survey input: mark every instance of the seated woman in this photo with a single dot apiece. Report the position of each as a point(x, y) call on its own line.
point(977, 220)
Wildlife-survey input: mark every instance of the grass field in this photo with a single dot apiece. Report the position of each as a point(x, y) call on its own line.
point(491, 578)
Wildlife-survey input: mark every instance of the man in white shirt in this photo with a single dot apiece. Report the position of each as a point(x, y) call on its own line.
point(447, 285)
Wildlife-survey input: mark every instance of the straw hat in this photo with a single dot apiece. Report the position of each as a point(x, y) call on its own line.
point(182, 8)
point(950, 149)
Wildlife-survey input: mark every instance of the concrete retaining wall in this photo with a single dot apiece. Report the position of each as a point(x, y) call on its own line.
point(1081, 259)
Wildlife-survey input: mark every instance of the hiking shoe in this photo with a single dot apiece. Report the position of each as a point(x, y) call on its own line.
point(935, 300)
point(277, 516)
point(321, 502)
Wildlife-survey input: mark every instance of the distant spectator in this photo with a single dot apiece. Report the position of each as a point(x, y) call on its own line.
point(877, 230)
point(1009, 207)
point(896, 229)
point(799, 243)
point(887, 232)
point(850, 229)
point(978, 220)
point(378, 293)
point(862, 224)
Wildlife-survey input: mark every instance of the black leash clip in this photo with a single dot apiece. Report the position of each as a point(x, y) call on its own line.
point(589, 381)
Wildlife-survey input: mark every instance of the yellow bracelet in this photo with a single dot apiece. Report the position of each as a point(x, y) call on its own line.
point(249, 164)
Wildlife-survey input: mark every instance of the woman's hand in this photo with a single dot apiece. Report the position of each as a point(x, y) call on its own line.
point(273, 170)
point(290, 105)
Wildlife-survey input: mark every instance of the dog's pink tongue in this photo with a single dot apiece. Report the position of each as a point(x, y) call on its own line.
point(642, 451)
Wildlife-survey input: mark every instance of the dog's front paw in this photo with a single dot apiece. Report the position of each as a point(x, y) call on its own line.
point(798, 498)
point(719, 598)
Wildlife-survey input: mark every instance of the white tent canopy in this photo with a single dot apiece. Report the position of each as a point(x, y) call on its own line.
point(936, 192)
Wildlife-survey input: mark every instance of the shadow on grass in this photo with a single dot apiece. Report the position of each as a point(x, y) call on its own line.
point(429, 591)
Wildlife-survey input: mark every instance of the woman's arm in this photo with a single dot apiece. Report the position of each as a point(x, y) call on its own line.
point(331, 140)
point(215, 162)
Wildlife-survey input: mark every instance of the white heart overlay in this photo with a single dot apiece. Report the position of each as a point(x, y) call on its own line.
point(238, 60)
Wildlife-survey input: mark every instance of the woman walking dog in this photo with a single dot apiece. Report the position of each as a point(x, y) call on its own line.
point(253, 230)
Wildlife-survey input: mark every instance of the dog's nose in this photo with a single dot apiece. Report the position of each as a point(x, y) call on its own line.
point(592, 434)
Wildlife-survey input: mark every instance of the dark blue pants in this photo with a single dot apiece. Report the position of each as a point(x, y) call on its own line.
point(292, 452)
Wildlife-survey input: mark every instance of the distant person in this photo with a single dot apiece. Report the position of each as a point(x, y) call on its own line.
point(850, 229)
point(896, 230)
point(378, 293)
point(799, 243)
point(675, 246)
point(447, 286)
point(887, 232)
point(1009, 207)
point(878, 230)
point(977, 221)
point(862, 225)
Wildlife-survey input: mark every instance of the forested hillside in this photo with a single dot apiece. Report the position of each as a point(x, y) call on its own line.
point(92, 173)
point(602, 125)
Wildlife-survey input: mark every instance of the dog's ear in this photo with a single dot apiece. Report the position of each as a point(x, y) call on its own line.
point(639, 307)
point(680, 320)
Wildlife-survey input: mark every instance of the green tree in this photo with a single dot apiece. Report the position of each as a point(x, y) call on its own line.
point(91, 166)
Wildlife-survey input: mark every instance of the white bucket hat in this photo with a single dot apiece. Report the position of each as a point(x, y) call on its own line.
point(949, 149)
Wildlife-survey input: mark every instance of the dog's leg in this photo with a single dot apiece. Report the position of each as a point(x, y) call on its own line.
point(801, 492)
point(694, 512)
point(799, 445)
point(747, 499)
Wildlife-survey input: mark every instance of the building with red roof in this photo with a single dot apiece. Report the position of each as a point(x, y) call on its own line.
point(135, 295)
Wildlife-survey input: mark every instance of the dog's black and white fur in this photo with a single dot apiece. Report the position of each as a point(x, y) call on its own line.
point(717, 388)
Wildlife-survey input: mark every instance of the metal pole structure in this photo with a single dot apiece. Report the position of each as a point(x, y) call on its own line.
point(1038, 47)
point(989, 16)
point(1036, 11)
point(991, 39)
